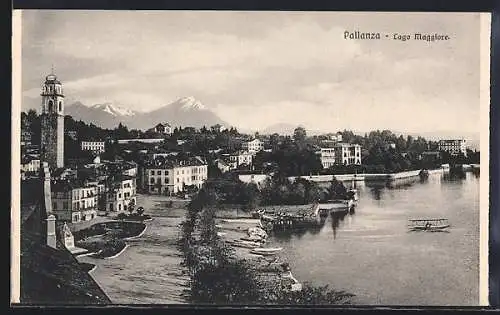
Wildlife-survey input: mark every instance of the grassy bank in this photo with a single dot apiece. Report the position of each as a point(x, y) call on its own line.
point(219, 276)
point(107, 239)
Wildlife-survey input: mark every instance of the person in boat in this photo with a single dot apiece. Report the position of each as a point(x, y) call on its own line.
point(428, 225)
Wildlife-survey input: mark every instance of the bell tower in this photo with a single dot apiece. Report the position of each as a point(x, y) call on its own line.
point(52, 122)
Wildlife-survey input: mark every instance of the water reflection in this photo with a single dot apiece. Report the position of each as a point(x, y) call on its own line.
point(338, 217)
point(400, 264)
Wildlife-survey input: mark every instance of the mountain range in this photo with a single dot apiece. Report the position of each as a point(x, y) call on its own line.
point(185, 111)
point(188, 111)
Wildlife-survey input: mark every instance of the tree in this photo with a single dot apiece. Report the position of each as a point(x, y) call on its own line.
point(299, 134)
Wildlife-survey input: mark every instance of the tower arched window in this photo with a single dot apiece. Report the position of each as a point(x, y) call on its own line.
point(60, 106)
point(51, 105)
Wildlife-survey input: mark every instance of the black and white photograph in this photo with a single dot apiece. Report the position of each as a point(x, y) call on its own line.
point(250, 158)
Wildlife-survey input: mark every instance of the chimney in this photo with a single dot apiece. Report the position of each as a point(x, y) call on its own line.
point(51, 231)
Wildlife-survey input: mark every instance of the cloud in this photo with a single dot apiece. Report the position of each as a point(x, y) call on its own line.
point(257, 69)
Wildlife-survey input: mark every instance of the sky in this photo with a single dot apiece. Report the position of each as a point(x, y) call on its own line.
point(257, 69)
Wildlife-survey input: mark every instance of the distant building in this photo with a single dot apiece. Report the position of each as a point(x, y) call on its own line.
point(223, 166)
point(327, 156)
point(347, 153)
point(121, 194)
point(73, 201)
point(26, 138)
point(94, 146)
point(174, 176)
point(335, 137)
point(30, 164)
point(164, 129)
point(253, 146)
point(453, 146)
point(241, 158)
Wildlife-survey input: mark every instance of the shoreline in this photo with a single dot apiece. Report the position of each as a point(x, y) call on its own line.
point(103, 242)
point(119, 253)
point(268, 267)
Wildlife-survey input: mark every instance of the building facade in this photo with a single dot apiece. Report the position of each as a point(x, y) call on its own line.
point(52, 122)
point(121, 194)
point(164, 129)
point(241, 158)
point(453, 146)
point(94, 146)
point(174, 177)
point(74, 202)
point(327, 156)
point(253, 146)
point(347, 153)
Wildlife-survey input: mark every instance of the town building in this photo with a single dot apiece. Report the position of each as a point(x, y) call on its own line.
point(453, 146)
point(163, 128)
point(49, 272)
point(347, 153)
point(25, 138)
point(30, 164)
point(74, 201)
point(240, 158)
point(223, 166)
point(327, 156)
point(253, 146)
point(335, 137)
point(94, 146)
point(52, 122)
point(122, 192)
point(174, 176)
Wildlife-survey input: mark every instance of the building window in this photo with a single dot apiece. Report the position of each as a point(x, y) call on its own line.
point(119, 207)
point(65, 205)
point(60, 106)
point(54, 205)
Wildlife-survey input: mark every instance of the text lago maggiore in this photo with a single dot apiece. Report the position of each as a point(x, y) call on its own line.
point(395, 36)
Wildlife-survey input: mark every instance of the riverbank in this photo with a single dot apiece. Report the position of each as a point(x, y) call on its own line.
point(222, 274)
point(107, 239)
point(365, 176)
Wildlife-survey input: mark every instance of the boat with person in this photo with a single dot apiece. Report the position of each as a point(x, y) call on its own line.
point(438, 224)
point(266, 251)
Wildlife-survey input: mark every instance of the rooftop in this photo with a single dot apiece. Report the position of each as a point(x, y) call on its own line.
point(54, 276)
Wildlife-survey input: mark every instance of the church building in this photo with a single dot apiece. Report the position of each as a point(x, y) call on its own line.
point(52, 123)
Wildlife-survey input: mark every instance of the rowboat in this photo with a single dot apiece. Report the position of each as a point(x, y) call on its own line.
point(253, 238)
point(266, 251)
point(428, 224)
point(245, 244)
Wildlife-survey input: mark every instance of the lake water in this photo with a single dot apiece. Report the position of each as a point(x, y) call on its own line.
point(369, 253)
point(372, 254)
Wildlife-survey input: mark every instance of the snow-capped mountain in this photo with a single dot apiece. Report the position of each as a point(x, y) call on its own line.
point(190, 103)
point(185, 111)
point(114, 109)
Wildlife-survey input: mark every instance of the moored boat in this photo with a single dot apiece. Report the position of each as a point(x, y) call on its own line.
point(266, 251)
point(245, 244)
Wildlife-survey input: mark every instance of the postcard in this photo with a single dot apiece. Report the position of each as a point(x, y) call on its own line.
point(250, 158)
